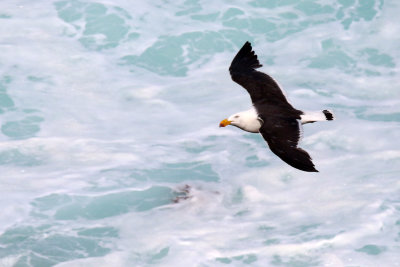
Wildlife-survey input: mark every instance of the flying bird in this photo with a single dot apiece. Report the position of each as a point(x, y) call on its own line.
point(279, 123)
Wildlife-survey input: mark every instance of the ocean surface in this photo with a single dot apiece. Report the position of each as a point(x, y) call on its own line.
point(111, 154)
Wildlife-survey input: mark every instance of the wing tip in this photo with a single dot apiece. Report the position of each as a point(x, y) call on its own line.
point(307, 166)
point(248, 44)
point(313, 169)
point(246, 58)
point(304, 167)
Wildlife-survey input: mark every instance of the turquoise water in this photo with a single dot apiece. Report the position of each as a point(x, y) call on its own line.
point(111, 155)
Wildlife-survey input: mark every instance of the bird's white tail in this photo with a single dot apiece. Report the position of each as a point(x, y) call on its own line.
point(310, 117)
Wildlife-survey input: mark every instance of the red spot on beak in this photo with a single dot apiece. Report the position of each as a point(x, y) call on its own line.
point(224, 123)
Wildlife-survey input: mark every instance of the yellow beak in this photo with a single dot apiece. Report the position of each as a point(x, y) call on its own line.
point(224, 123)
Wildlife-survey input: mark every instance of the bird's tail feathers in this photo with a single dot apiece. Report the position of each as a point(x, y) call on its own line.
point(310, 117)
point(328, 115)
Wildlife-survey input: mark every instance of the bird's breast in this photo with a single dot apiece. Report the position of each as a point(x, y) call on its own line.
point(252, 126)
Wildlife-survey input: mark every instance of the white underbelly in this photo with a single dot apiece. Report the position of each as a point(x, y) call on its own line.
point(252, 126)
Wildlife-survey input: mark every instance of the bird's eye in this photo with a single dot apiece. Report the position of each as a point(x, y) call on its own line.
point(237, 116)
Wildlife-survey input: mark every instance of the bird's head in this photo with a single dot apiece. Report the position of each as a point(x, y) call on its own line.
point(232, 120)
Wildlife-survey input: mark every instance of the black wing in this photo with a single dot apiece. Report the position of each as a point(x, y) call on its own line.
point(283, 135)
point(261, 87)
